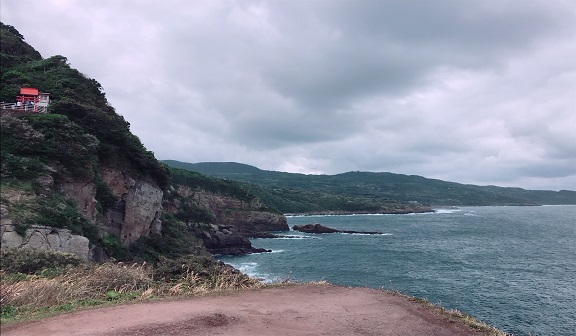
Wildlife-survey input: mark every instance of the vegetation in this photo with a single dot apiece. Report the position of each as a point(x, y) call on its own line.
point(50, 282)
point(82, 124)
point(14, 49)
point(373, 187)
point(455, 315)
point(52, 210)
point(81, 135)
point(241, 191)
point(31, 261)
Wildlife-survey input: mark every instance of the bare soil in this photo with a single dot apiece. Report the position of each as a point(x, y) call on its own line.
point(293, 310)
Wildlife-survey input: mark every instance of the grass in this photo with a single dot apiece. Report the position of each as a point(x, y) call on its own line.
point(454, 315)
point(56, 283)
point(29, 297)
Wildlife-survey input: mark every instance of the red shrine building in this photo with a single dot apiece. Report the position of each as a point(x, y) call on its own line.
point(31, 101)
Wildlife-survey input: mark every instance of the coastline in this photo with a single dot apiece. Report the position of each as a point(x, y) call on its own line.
point(286, 309)
point(416, 210)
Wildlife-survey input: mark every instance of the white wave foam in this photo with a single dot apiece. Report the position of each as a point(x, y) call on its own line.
point(248, 268)
point(297, 237)
point(446, 211)
point(251, 270)
point(277, 251)
point(369, 234)
point(337, 215)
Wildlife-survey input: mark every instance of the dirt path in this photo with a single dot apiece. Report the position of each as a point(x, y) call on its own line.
point(296, 310)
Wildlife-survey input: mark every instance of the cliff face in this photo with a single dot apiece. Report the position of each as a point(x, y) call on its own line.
point(77, 180)
point(245, 216)
point(137, 213)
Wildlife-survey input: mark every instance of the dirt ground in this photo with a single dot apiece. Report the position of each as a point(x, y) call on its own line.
point(294, 310)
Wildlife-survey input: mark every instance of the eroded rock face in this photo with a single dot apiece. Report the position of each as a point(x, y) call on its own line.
point(84, 194)
point(223, 240)
point(246, 217)
point(46, 238)
point(137, 214)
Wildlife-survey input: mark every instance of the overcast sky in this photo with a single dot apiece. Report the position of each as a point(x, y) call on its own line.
point(471, 91)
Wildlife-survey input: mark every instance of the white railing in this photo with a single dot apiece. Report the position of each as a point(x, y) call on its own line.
point(24, 107)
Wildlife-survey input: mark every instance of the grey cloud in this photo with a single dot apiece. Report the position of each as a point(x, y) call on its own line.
point(476, 92)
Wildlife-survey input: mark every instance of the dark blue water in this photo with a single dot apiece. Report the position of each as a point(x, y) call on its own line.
point(512, 267)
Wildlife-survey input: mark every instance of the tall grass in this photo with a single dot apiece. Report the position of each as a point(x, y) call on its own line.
point(25, 296)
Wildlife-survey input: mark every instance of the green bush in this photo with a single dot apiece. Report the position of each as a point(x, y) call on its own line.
point(192, 213)
point(106, 199)
point(113, 246)
point(56, 211)
point(172, 269)
point(31, 261)
point(175, 240)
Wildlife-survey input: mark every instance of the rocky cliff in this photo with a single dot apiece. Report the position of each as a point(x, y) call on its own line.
point(77, 180)
point(228, 221)
point(137, 213)
point(246, 217)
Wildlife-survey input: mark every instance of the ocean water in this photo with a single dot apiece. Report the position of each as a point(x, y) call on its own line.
point(511, 267)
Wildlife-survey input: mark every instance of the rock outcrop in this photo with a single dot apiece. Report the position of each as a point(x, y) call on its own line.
point(234, 220)
point(46, 238)
point(318, 228)
point(138, 210)
point(222, 239)
point(83, 193)
point(136, 214)
point(246, 217)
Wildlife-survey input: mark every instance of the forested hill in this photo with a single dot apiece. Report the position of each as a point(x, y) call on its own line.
point(78, 179)
point(382, 186)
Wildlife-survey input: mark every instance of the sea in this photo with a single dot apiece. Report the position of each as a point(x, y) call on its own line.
point(511, 267)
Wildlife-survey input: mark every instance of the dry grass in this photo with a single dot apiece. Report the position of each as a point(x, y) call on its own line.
point(28, 297)
point(455, 315)
point(32, 296)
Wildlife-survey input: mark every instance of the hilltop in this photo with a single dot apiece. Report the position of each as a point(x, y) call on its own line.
point(77, 180)
point(379, 186)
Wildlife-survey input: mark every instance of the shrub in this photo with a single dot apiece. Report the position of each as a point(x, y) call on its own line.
point(173, 269)
point(57, 211)
point(31, 261)
point(175, 241)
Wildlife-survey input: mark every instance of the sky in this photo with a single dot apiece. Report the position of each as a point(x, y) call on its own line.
point(479, 92)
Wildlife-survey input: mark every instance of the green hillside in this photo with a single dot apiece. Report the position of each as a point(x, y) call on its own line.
point(54, 165)
point(380, 186)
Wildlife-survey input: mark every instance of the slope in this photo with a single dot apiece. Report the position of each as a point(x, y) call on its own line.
point(383, 186)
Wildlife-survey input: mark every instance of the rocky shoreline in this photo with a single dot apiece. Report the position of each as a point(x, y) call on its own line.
point(403, 211)
point(234, 239)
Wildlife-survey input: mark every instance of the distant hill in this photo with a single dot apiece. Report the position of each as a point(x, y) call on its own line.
point(382, 186)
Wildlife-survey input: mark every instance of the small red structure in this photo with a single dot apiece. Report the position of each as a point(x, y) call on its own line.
point(32, 100)
point(29, 101)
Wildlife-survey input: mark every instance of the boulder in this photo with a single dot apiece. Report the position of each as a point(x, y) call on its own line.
point(47, 238)
point(314, 228)
point(318, 228)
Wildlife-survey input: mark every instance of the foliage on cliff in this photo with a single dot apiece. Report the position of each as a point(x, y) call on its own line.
point(13, 49)
point(287, 198)
point(43, 154)
point(83, 107)
point(367, 186)
point(234, 189)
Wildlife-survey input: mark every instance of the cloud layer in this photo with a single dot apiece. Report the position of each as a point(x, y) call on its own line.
point(467, 91)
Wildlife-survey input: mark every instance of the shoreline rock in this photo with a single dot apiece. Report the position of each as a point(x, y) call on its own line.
point(319, 228)
point(224, 240)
